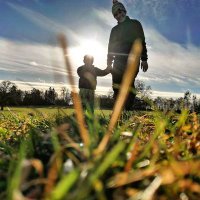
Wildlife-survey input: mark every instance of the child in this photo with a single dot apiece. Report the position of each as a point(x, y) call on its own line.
point(88, 81)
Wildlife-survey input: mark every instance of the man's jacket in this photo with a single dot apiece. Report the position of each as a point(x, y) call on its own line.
point(121, 40)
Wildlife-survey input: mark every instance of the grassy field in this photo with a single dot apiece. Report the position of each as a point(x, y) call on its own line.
point(37, 110)
point(148, 155)
point(45, 111)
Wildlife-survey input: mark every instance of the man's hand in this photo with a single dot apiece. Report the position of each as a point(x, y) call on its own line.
point(144, 66)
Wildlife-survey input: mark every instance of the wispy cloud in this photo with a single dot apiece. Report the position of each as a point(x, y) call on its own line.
point(43, 21)
point(40, 84)
point(106, 16)
point(24, 60)
point(172, 59)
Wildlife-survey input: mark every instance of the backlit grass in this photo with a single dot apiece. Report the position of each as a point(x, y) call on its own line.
point(44, 158)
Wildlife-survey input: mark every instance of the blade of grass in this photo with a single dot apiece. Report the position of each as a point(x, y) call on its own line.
point(53, 173)
point(6, 148)
point(134, 153)
point(128, 78)
point(150, 190)
point(63, 187)
point(55, 141)
point(159, 129)
point(15, 178)
point(76, 99)
point(99, 170)
point(109, 159)
point(61, 130)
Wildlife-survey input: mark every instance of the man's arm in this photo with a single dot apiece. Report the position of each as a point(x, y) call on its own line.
point(110, 55)
point(144, 56)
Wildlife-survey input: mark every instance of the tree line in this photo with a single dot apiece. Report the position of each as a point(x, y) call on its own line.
point(188, 101)
point(11, 95)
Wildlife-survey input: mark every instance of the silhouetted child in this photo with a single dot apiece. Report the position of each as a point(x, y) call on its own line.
point(88, 80)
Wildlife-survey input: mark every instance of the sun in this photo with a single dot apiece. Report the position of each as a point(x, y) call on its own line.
point(92, 47)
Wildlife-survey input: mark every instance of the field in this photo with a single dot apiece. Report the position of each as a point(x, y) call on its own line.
point(44, 154)
point(34, 110)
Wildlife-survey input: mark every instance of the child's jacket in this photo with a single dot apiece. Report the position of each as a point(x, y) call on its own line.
point(121, 40)
point(88, 76)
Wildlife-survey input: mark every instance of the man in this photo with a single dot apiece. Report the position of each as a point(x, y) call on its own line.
point(122, 37)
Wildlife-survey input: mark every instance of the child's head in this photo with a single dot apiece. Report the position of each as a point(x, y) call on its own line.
point(88, 60)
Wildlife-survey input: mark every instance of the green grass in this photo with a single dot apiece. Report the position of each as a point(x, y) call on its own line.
point(44, 157)
point(41, 110)
point(45, 110)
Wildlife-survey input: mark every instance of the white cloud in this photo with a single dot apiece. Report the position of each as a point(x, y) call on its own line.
point(173, 95)
point(156, 8)
point(18, 56)
point(40, 84)
point(33, 63)
point(106, 16)
point(172, 60)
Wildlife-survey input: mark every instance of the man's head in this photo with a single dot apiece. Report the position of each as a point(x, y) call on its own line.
point(88, 60)
point(118, 11)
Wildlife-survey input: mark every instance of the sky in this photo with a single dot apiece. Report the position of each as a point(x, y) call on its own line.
point(31, 57)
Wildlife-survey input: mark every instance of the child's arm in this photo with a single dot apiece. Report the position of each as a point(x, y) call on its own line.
point(100, 72)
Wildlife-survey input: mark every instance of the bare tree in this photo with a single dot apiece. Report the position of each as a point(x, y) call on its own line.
point(6, 88)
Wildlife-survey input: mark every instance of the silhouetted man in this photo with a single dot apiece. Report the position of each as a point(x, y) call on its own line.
point(122, 37)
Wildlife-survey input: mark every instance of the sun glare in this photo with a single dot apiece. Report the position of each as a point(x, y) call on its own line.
point(91, 47)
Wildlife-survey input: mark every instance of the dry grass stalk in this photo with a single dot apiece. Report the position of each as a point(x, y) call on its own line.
point(134, 153)
point(63, 134)
point(76, 99)
point(129, 75)
point(53, 173)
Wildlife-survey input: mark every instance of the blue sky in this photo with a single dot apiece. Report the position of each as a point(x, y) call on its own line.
point(31, 57)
